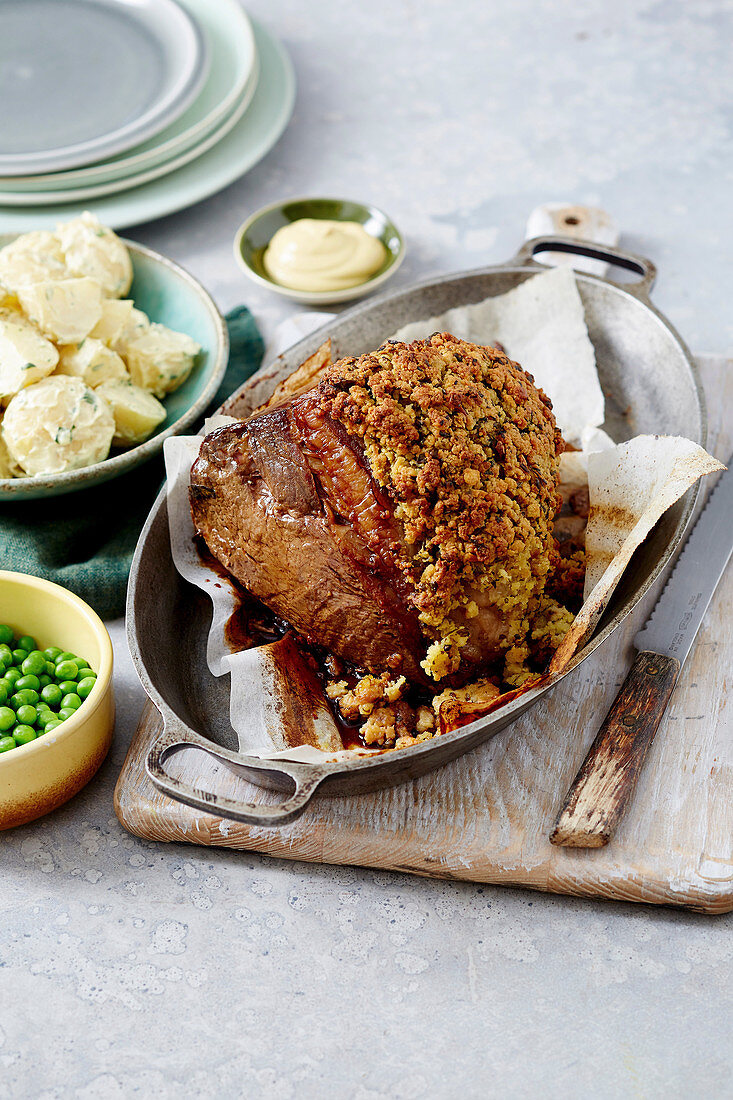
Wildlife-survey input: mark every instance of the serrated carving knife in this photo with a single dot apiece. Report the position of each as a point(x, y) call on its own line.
point(604, 785)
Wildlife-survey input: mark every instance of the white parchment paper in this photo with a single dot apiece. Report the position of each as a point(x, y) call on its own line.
point(541, 325)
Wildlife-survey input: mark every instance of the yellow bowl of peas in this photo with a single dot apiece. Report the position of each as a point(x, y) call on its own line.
point(56, 701)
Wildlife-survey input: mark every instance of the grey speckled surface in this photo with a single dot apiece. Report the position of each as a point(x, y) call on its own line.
point(130, 969)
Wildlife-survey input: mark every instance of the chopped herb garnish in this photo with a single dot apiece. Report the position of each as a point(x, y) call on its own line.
point(28, 366)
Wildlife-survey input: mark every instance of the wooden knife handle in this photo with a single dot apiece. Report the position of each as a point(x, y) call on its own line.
point(604, 785)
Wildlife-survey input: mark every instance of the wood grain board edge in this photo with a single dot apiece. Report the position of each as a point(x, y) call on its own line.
point(142, 810)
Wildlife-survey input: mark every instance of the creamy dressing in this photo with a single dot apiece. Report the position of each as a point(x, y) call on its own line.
point(317, 254)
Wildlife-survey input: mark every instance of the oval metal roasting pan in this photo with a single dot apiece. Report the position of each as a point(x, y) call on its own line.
point(651, 386)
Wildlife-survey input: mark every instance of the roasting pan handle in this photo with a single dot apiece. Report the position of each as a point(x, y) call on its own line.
point(176, 736)
point(642, 267)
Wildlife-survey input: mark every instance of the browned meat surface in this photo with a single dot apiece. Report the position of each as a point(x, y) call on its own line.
point(288, 506)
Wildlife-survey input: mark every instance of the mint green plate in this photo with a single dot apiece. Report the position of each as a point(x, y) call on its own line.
point(171, 296)
point(232, 69)
point(256, 233)
point(245, 145)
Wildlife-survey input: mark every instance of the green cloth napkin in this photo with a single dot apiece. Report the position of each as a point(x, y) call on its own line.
point(85, 541)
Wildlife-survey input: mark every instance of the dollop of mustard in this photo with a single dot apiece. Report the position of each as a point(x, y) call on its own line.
point(320, 255)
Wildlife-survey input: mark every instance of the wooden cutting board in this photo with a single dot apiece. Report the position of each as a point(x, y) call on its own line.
point(486, 817)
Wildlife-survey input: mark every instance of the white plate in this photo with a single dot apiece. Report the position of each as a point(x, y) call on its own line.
point(112, 187)
point(85, 79)
point(248, 142)
point(228, 32)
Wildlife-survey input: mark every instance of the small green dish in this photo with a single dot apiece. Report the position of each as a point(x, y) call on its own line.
point(171, 296)
point(256, 233)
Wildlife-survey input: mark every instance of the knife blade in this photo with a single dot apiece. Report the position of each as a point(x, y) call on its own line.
point(678, 613)
point(604, 785)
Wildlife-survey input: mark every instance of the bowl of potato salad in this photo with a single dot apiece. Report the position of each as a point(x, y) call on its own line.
point(106, 349)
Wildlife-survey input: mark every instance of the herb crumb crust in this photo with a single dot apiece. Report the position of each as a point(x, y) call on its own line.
point(466, 446)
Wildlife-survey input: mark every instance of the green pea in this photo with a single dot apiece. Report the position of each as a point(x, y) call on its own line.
point(23, 734)
point(6, 634)
point(81, 662)
point(7, 718)
point(35, 663)
point(27, 715)
point(84, 687)
point(52, 652)
point(52, 725)
point(44, 717)
point(19, 655)
point(66, 656)
point(12, 675)
point(4, 691)
point(6, 742)
point(27, 643)
point(70, 701)
point(23, 697)
point(44, 680)
point(50, 668)
point(28, 681)
point(66, 712)
point(6, 654)
point(66, 670)
point(52, 694)
point(67, 686)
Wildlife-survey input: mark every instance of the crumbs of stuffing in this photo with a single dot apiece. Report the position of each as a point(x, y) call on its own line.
point(547, 624)
point(466, 446)
point(360, 701)
point(390, 721)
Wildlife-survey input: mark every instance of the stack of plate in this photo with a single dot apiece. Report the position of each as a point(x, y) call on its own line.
point(131, 110)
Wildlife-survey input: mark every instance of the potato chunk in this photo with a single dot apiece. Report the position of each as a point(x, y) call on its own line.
point(32, 258)
point(114, 320)
point(137, 413)
point(91, 361)
point(136, 323)
point(57, 424)
point(90, 248)
point(158, 358)
point(25, 355)
point(65, 310)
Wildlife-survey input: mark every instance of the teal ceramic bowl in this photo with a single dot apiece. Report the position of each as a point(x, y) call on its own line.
point(171, 296)
point(256, 233)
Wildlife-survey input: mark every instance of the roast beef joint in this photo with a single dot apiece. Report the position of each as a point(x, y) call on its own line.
point(399, 515)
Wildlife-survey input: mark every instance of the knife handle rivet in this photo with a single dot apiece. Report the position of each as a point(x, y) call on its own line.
point(629, 721)
point(652, 670)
